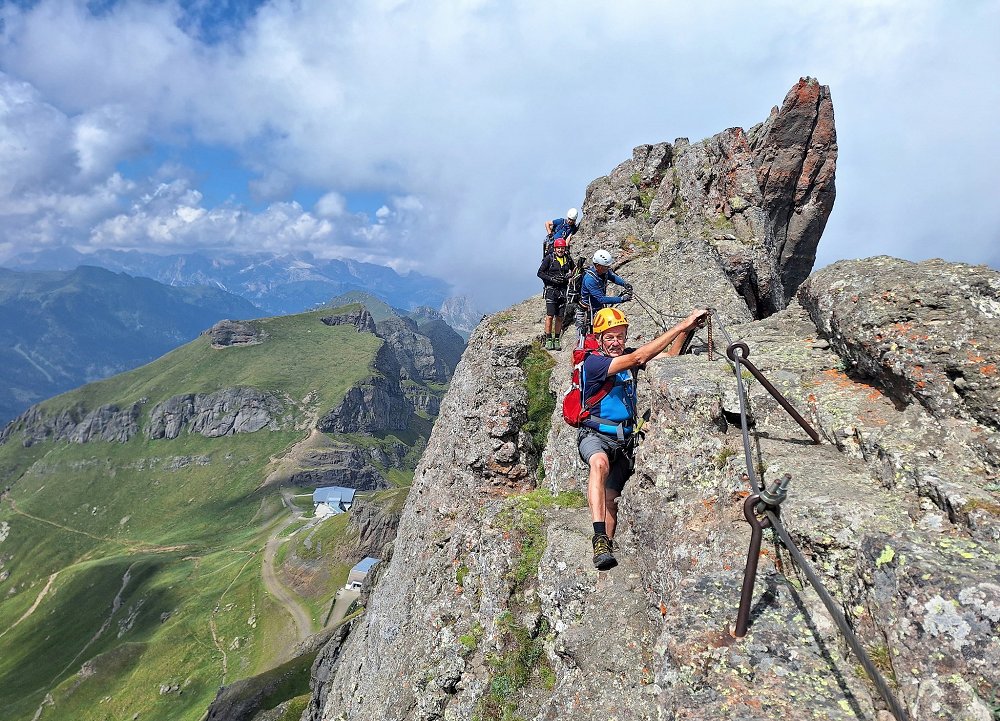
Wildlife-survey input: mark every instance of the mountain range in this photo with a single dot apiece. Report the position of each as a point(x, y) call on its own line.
point(61, 329)
point(277, 284)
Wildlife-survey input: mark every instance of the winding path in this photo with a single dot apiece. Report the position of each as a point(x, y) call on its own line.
point(303, 622)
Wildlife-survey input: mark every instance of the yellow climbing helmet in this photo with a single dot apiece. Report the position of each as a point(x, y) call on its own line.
point(608, 318)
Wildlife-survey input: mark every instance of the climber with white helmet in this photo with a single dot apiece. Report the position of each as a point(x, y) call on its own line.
point(594, 289)
point(555, 271)
point(560, 228)
point(606, 439)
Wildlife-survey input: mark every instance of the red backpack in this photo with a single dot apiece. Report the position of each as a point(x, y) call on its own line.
point(575, 411)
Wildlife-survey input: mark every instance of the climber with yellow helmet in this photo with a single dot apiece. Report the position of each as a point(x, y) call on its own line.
point(606, 439)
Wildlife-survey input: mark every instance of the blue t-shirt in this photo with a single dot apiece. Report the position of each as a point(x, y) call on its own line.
point(562, 228)
point(619, 404)
point(594, 288)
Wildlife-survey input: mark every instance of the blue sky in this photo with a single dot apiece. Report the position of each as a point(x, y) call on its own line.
point(439, 136)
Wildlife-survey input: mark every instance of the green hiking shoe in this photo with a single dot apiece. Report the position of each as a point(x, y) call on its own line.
point(550, 344)
point(604, 559)
point(557, 343)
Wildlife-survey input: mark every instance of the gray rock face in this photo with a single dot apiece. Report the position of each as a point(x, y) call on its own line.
point(376, 526)
point(754, 204)
point(925, 331)
point(356, 315)
point(223, 413)
point(490, 606)
point(414, 352)
point(228, 333)
point(339, 464)
point(106, 423)
point(372, 407)
point(323, 670)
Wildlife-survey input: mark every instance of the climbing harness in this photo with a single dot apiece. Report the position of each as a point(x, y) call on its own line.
point(762, 510)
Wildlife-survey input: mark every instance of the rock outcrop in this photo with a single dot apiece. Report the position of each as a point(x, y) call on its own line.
point(374, 406)
point(356, 315)
point(75, 425)
point(375, 525)
point(223, 413)
point(338, 464)
point(795, 154)
point(489, 606)
point(414, 352)
point(227, 333)
point(754, 204)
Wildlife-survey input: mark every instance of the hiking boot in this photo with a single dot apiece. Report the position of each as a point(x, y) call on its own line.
point(557, 343)
point(550, 344)
point(603, 558)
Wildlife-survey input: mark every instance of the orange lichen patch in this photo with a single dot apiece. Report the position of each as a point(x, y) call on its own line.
point(906, 330)
point(838, 377)
point(990, 369)
point(843, 382)
point(708, 503)
point(974, 357)
point(663, 608)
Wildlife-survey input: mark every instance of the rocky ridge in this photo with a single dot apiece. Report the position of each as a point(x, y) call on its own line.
point(489, 606)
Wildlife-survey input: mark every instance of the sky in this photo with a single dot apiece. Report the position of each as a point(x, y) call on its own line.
point(439, 136)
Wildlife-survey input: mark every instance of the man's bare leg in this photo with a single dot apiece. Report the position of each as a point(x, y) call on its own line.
point(599, 469)
point(611, 510)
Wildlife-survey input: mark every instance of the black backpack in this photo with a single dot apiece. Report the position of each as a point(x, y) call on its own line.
point(576, 282)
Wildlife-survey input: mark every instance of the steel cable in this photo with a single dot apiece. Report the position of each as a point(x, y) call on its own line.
point(831, 606)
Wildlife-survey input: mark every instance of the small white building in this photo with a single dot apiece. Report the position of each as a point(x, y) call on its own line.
point(331, 500)
point(358, 574)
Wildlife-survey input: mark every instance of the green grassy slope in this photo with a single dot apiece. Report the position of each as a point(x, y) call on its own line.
point(130, 574)
point(301, 356)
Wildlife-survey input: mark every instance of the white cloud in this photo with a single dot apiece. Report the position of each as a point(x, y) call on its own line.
point(480, 120)
point(331, 205)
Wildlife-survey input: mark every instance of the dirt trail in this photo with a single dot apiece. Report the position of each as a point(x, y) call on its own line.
point(41, 595)
point(303, 622)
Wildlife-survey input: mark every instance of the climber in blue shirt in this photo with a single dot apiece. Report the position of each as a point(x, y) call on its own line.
point(594, 289)
point(606, 439)
point(560, 228)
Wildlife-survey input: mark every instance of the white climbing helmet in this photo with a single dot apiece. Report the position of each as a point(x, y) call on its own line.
point(571, 214)
point(603, 257)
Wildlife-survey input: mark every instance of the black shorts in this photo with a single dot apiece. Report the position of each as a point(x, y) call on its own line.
point(620, 455)
point(555, 300)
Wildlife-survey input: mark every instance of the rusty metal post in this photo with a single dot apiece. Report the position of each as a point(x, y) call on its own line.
point(741, 359)
point(757, 526)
